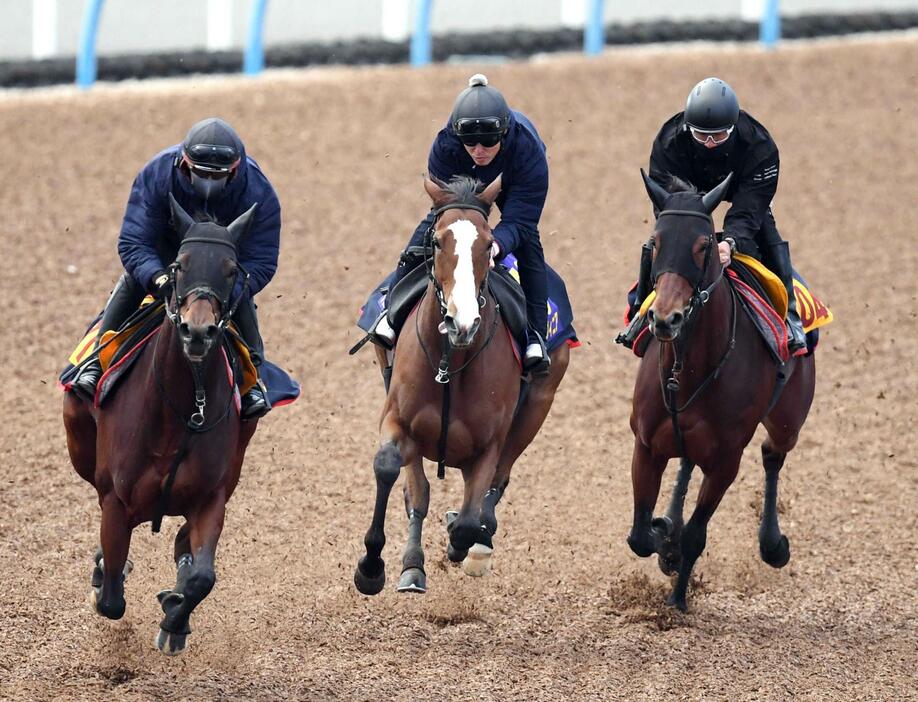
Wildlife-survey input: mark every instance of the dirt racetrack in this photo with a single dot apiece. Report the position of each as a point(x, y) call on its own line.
point(569, 612)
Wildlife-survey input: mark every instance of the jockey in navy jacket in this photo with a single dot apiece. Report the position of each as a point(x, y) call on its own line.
point(211, 177)
point(484, 120)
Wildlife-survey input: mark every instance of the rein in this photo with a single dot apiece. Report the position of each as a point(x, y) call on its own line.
point(443, 374)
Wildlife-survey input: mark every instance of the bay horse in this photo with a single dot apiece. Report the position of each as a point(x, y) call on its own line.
point(704, 384)
point(454, 395)
point(168, 442)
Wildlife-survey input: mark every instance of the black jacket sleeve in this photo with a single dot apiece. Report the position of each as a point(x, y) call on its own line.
point(752, 197)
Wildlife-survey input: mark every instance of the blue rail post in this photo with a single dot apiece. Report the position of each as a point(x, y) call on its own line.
point(770, 26)
point(254, 61)
point(594, 34)
point(86, 58)
point(420, 37)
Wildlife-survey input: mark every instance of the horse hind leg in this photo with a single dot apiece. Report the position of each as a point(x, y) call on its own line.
point(667, 530)
point(466, 531)
point(417, 501)
point(370, 575)
point(195, 575)
point(111, 561)
point(774, 547)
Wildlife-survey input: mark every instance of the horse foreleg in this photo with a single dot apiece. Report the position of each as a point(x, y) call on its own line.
point(667, 530)
point(695, 534)
point(773, 545)
point(466, 531)
point(195, 575)
point(107, 594)
point(370, 576)
point(182, 543)
point(417, 501)
point(646, 474)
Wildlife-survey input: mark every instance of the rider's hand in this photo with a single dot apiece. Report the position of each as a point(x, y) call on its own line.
point(495, 252)
point(725, 254)
point(162, 287)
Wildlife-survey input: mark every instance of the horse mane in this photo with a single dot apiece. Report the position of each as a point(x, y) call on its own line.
point(465, 189)
point(677, 185)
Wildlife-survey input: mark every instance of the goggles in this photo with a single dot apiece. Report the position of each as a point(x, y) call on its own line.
point(716, 137)
point(212, 156)
point(486, 131)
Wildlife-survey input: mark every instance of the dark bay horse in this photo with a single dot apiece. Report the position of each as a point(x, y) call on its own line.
point(705, 383)
point(170, 441)
point(454, 347)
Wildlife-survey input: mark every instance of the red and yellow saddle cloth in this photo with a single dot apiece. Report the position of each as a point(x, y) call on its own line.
point(119, 349)
point(764, 298)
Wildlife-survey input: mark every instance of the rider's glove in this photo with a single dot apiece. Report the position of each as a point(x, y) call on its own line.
point(162, 286)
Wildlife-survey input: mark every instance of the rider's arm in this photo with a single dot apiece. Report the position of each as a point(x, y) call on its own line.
point(146, 219)
point(259, 248)
point(751, 200)
point(523, 202)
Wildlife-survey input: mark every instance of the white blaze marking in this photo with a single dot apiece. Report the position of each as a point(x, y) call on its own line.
point(464, 299)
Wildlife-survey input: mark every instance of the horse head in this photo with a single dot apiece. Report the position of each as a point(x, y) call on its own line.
point(461, 241)
point(204, 276)
point(684, 247)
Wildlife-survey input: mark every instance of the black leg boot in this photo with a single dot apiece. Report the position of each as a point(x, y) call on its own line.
point(125, 298)
point(255, 401)
point(627, 337)
point(781, 265)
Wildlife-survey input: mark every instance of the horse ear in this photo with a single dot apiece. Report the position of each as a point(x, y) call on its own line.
point(657, 194)
point(489, 194)
point(241, 224)
point(436, 188)
point(181, 220)
point(712, 199)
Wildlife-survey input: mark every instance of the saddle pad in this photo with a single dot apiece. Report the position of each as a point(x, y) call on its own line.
point(774, 290)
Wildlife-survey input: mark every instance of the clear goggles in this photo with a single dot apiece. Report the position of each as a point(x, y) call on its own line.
point(716, 137)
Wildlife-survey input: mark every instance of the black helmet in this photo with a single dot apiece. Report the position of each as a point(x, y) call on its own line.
point(480, 114)
point(711, 106)
point(211, 153)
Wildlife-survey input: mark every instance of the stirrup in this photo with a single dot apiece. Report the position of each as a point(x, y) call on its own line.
point(254, 403)
point(537, 365)
point(629, 335)
point(88, 380)
point(379, 337)
point(796, 337)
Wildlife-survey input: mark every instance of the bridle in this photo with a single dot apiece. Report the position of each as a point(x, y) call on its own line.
point(442, 371)
point(195, 424)
point(669, 386)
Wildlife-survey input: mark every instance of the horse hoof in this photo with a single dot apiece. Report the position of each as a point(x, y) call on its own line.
point(450, 517)
point(677, 602)
point(368, 583)
point(412, 580)
point(668, 565)
point(94, 594)
point(478, 561)
point(456, 555)
point(640, 545)
point(778, 556)
point(95, 601)
point(169, 643)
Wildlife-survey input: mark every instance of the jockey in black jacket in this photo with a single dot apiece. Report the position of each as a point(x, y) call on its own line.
point(712, 138)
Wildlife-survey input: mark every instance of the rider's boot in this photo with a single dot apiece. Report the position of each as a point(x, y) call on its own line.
point(124, 299)
point(781, 264)
point(536, 359)
point(255, 402)
point(381, 333)
point(627, 337)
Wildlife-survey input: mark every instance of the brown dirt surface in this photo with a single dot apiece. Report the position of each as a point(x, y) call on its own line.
point(569, 612)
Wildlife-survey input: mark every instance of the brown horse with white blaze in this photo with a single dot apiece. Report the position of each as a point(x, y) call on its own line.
point(454, 359)
point(705, 383)
point(170, 442)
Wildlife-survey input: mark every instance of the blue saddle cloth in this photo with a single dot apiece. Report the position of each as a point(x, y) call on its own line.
point(560, 315)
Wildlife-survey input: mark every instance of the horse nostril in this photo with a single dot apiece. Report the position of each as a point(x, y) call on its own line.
point(450, 322)
point(650, 314)
point(184, 330)
point(676, 319)
point(211, 331)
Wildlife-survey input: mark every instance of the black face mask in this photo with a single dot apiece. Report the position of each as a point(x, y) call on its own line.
point(210, 190)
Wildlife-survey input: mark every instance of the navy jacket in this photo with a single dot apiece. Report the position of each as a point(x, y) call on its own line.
point(750, 153)
point(148, 243)
point(524, 183)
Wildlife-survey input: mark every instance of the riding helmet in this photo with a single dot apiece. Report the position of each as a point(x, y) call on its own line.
point(711, 106)
point(480, 111)
point(211, 153)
